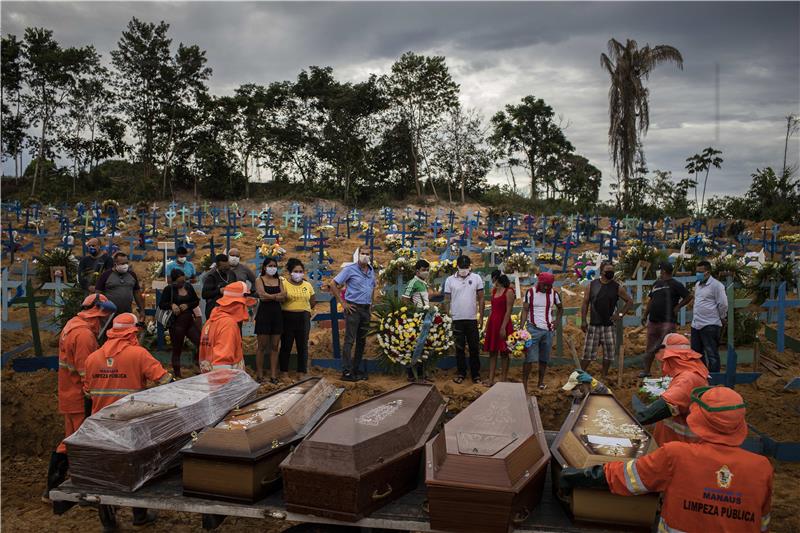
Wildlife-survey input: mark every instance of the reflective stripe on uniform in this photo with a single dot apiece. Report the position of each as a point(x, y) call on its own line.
point(632, 479)
point(64, 364)
point(765, 523)
point(664, 528)
point(677, 427)
point(112, 392)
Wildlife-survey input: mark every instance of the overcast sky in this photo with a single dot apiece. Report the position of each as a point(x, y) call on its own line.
point(500, 52)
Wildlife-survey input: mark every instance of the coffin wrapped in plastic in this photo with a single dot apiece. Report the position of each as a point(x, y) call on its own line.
point(600, 430)
point(487, 469)
point(364, 456)
point(239, 458)
point(139, 437)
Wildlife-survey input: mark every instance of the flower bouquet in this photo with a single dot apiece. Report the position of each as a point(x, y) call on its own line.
point(393, 242)
point(442, 268)
point(401, 266)
point(439, 244)
point(518, 343)
point(272, 250)
point(793, 238)
point(498, 251)
point(547, 257)
point(585, 266)
point(408, 253)
point(326, 228)
point(108, 205)
point(519, 262)
point(398, 327)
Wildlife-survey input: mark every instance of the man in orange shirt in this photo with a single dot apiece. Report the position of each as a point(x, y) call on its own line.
point(78, 339)
point(121, 367)
point(221, 338)
point(687, 370)
point(711, 485)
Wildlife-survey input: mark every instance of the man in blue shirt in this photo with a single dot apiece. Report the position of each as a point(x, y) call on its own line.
point(359, 280)
point(182, 263)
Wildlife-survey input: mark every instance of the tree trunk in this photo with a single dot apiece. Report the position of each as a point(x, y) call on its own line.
point(41, 155)
point(786, 142)
point(414, 167)
point(167, 160)
point(430, 178)
point(246, 177)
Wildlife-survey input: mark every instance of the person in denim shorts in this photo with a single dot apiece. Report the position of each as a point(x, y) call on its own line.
point(540, 320)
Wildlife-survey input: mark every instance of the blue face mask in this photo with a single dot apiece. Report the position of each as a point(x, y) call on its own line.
point(92, 250)
point(699, 277)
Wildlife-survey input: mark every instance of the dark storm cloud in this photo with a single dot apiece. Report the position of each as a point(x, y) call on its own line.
point(500, 52)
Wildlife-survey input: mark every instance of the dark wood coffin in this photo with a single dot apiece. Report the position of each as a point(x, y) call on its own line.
point(239, 458)
point(364, 456)
point(487, 468)
point(598, 430)
point(139, 437)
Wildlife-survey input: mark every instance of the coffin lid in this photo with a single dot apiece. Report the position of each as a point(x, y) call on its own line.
point(497, 440)
point(598, 430)
point(371, 433)
point(269, 422)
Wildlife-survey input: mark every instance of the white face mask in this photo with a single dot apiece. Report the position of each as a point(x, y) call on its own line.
point(122, 268)
point(233, 260)
point(463, 272)
point(297, 277)
point(271, 271)
point(424, 274)
point(181, 260)
point(363, 259)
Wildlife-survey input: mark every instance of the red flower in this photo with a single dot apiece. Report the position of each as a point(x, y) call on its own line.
point(437, 319)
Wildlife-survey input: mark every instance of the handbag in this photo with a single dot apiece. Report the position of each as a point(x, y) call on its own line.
point(165, 317)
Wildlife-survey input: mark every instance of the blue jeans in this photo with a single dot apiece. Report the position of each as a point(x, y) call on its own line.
point(705, 341)
point(539, 350)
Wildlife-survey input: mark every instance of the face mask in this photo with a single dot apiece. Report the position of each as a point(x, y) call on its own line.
point(700, 277)
point(423, 275)
point(297, 277)
point(363, 259)
point(233, 260)
point(271, 271)
point(463, 272)
point(608, 275)
point(92, 250)
point(181, 260)
point(122, 268)
point(180, 284)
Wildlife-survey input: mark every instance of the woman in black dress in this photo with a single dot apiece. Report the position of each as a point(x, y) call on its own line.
point(182, 299)
point(269, 319)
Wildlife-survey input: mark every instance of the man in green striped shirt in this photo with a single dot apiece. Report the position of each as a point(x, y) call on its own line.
point(417, 292)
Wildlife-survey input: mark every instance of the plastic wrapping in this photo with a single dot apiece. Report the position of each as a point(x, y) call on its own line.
point(139, 437)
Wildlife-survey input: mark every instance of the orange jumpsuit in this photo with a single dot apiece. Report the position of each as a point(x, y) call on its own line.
point(221, 339)
point(120, 367)
point(706, 486)
point(77, 341)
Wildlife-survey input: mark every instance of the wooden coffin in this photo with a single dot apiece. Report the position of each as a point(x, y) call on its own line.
point(140, 436)
point(600, 430)
point(487, 469)
point(239, 458)
point(364, 456)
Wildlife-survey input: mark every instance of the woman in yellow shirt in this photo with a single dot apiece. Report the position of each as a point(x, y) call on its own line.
point(296, 316)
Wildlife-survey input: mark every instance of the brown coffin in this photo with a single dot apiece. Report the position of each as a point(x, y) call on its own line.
point(584, 441)
point(488, 467)
point(239, 458)
point(140, 436)
point(364, 456)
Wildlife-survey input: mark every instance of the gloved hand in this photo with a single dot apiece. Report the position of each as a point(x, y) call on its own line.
point(593, 477)
point(652, 413)
point(584, 377)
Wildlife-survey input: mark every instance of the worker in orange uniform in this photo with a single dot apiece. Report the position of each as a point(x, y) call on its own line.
point(121, 367)
point(78, 339)
point(687, 370)
point(221, 338)
point(711, 485)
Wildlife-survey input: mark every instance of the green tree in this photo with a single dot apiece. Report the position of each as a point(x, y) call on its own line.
point(462, 154)
point(628, 101)
point(699, 164)
point(421, 91)
point(13, 121)
point(526, 135)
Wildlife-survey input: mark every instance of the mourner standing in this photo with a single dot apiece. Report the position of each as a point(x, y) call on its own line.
point(686, 368)
point(358, 280)
point(221, 338)
point(121, 367)
point(463, 296)
point(499, 326)
point(182, 263)
point(297, 306)
point(180, 298)
point(666, 298)
point(418, 294)
point(541, 311)
point(240, 271)
point(711, 485)
point(269, 318)
point(121, 286)
point(215, 281)
point(78, 339)
point(93, 264)
point(709, 316)
point(602, 296)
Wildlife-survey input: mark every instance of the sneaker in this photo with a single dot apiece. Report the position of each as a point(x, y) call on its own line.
point(347, 376)
point(361, 377)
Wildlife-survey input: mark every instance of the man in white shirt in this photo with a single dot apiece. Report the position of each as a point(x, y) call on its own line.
point(709, 316)
point(463, 296)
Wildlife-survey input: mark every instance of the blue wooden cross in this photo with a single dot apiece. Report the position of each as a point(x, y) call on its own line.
point(228, 234)
point(215, 212)
point(154, 221)
point(331, 215)
point(451, 217)
point(781, 304)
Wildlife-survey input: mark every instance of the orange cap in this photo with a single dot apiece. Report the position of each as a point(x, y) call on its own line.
point(235, 293)
point(717, 415)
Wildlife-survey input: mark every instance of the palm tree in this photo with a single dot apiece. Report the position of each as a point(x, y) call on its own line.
point(628, 107)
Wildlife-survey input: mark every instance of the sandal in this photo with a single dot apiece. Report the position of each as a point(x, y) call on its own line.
point(458, 379)
point(542, 386)
point(274, 381)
